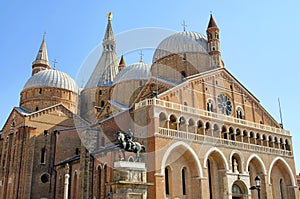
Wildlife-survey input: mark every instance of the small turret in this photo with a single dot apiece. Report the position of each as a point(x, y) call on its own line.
point(41, 62)
point(214, 43)
point(122, 63)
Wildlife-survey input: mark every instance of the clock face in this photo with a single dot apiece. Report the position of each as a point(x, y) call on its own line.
point(224, 104)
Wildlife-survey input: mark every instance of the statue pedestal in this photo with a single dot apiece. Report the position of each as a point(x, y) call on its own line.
point(129, 180)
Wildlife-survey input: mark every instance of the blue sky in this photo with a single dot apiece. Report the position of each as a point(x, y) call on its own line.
point(259, 42)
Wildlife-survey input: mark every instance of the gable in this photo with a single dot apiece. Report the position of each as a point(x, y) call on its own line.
point(54, 115)
point(15, 117)
point(154, 85)
point(199, 90)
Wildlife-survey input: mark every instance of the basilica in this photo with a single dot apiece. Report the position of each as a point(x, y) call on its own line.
point(181, 127)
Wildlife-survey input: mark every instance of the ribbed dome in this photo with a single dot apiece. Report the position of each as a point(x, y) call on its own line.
point(52, 78)
point(181, 42)
point(137, 71)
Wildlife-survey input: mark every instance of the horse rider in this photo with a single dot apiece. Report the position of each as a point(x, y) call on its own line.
point(129, 139)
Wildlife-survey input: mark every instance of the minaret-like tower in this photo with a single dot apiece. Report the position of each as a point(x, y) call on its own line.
point(96, 92)
point(107, 66)
point(41, 62)
point(212, 32)
point(122, 63)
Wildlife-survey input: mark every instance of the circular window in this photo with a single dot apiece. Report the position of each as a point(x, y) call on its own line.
point(45, 178)
point(224, 104)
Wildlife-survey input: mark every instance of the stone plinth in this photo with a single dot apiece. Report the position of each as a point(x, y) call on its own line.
point(129, 180)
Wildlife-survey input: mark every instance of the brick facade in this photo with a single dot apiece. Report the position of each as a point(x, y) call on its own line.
point(205, 134)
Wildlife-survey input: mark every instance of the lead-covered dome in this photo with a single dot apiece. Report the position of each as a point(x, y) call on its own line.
point(52, 78)
point(181, 42)
point(128, 84)
point(137, 71)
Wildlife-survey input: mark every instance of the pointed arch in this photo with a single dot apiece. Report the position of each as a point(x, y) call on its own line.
point(290, 172)
point(259, 159)
point(180, 144)
point(241, 157)
point(215, 149)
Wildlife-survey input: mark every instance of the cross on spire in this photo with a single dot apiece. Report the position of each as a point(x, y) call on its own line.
point(184, 25)
point(54, 64)
point(141, 56)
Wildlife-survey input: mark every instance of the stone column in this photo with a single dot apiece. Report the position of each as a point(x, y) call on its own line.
point(168, 124)
point(66, 184)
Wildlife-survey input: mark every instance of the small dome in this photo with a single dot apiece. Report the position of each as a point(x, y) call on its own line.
point(52, 78)
point(137, 71)
point(181, 42)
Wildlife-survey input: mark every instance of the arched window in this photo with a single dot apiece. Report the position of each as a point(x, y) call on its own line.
point(239, 113)
point(102, 104)
point(281, 188)
point(210, 105)
point(77, 151)
point(105, 178)
point(43, 156)
point(99, 182)
point(183, 75)
point(183, 181)
point(36, 108)
point(167, 178)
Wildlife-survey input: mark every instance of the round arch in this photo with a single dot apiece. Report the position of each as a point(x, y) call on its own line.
point(286, 165)
point(214, 149)
point(259, 159)
point(180, 144)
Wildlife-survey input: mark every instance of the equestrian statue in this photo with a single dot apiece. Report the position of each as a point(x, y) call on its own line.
point(127, 143)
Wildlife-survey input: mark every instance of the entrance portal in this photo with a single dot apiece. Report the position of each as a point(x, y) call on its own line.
point(239, 190)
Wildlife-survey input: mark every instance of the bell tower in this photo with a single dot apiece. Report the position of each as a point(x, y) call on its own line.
point(212, 32)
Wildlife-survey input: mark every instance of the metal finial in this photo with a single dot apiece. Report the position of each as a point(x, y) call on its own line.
point(141, 56)
point(44, 35)
point(184, 25)
point(109, 16)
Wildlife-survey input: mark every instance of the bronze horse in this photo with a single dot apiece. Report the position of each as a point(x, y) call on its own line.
point(127, 144)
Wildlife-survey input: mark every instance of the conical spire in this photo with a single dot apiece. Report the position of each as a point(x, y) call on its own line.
point(122, 63)
point(109, 35)
point(41, 61)
point(107, 66)
point(212, 23)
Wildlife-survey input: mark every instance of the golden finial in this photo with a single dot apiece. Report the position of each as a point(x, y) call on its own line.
point(109, 16)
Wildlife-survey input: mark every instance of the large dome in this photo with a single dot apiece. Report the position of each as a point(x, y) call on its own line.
point(181, 42)
point(52, 78)
point(137, 71)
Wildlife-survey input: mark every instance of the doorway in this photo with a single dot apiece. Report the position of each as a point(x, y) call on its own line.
point(239, 190)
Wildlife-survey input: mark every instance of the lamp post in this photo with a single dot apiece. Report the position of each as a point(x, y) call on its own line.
point(257, 186)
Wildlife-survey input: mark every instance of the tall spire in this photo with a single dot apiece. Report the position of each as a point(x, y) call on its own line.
point(109, 35)
point(107, 66)
point(41, 61)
